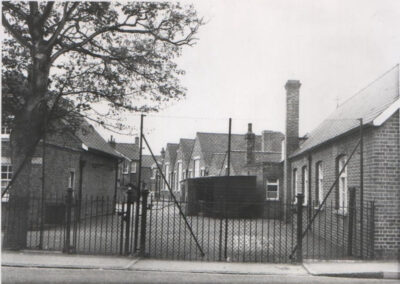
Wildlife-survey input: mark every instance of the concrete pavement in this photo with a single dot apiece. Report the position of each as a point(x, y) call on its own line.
point(40, 259)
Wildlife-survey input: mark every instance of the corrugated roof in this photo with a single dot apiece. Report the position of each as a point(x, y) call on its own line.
point(367, 104)
point(211, 143)
point(129, 150)
point(93, 140)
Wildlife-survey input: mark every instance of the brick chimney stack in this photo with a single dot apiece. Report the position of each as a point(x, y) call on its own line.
point(291, 139)
point(292, 115)
point(112, 141)
point(251, 142)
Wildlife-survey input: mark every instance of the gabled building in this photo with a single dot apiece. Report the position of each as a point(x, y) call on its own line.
point(169, 158)
point(181, 168)
point(81, 160)
point(312, 166)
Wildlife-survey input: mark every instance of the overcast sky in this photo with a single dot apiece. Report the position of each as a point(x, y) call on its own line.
point(248, 49)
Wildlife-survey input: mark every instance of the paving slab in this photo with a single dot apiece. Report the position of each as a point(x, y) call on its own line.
point(218, 267)
point(363, 269)
point(60, 260)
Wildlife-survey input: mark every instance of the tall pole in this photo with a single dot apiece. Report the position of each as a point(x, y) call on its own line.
point(228, 174)
point(139, 182)
point(361, 187)
point(43, 180)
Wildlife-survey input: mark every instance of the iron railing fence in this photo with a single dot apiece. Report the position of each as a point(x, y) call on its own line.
point(224, 231)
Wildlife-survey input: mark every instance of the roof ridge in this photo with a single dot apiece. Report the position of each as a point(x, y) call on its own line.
point(368, 85)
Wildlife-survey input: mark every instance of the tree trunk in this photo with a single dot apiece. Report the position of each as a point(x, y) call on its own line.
point(27, 130)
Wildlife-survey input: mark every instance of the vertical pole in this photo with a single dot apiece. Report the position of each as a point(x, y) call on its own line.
point(68, 203)
point(372, 230)
point(145, 194)
point(43, 182)
point(129, 202)
point(115, 186)
point(139, 182)
point(309, 201)
point(300, 199)
point(228, 174)
point(352, 203)
point(361, 188)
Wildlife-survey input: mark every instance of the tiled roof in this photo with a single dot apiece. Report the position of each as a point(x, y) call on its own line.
point(367, 104)
point(129, 150)
point(148, 161)
point(187, 147)
point(92, 139)
point(211, 143)
point(171, 149)
point(239, 162)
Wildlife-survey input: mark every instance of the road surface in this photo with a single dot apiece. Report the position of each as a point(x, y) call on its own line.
point(45, 275)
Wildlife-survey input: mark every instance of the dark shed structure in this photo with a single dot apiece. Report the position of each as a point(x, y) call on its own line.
point(222, 196)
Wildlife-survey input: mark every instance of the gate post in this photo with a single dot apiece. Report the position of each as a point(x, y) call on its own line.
point(68, 207)
point(145, 194)
point(300, 199)
point(352, 204)
point(129, 201)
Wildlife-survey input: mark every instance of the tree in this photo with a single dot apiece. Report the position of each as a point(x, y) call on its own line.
point(63, 59)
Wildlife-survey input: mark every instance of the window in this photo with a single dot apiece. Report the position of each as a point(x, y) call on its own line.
point(294, 183)
point(5, 130)
point(167, 175)
point(125, 167)
point(342, 185)
point(272, 189)
point(6, 176)
point(202, 172)
point(133, 167)
point(180, 173)
point(319, 182)
point(190, 173)
point(197, 167)
point(305, 184)
point(71, 179)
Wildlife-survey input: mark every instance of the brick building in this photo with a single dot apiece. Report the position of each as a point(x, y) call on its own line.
point(82, 160)
point(312, 165)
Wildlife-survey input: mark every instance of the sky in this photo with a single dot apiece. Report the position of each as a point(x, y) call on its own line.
point(248, 49)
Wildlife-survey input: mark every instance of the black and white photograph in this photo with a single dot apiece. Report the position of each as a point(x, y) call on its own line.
point(200, 141)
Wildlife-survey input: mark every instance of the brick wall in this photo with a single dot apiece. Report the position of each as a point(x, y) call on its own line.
point(381, 180)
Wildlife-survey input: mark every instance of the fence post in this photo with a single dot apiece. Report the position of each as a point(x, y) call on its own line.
point(68, 207)
point(145, 194)
point(372, 232)
point(352, 204)
point(129, 197)
point(300, 199)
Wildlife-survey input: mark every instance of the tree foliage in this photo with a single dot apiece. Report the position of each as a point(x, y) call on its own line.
point(98, 54)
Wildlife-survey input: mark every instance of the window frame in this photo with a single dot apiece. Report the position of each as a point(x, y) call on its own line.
point(196, 166)
point(304, 184)
point(9, 175)
point(319, 183)
point(295, 189)
point(342, 202)
point(267, 183)
point(133, 167)
point(125, 167)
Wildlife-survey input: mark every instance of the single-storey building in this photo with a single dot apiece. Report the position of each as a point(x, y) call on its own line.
point(312, 165)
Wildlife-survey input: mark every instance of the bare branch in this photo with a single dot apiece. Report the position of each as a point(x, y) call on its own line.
point(46, 12)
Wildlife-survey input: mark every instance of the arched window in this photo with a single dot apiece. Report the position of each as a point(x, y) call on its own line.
point(304, 184)
point(295, 190)
point(341, 196)
point(319, 183)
